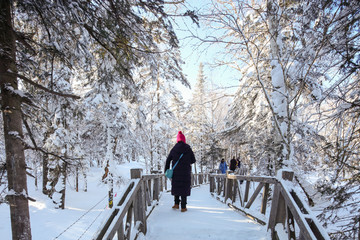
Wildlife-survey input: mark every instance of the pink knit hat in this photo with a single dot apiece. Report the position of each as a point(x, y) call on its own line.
point(180, 137)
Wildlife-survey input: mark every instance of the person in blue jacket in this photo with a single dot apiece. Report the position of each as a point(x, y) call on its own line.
point(223, 166)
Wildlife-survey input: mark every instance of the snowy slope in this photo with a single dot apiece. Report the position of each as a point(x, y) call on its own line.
point(83, 214)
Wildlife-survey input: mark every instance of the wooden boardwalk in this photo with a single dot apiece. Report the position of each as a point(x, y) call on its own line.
point(206, 218)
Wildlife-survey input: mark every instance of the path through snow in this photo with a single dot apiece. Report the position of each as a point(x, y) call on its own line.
point(206, 218)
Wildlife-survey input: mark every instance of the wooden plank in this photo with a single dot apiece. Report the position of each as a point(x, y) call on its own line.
point(165, 183)
point(120, 232)
point(248, 214)
point(146, 192)
point(247, 189)
point(234, 191)
point(200, 179)
point(290, 224)
point(139, 209)
point(265, 197)
point(315, 229)
point(224, 186)
point(218, 175)
point(253, 197)
point(212, 184)
point(299, 220)
point(115, 212)
point(278, 207)
point(240, 198)
point(299, 203)
point(151, 176)
point(226, 191)
point(287, 175)
point(135, 173)
point(156, 192)
point(148, 185)
point(110, 233)
point(270, 180)
point(219, 184)
point(273, 209)
point(161, 183)
point(129, 222)
point(281, 209)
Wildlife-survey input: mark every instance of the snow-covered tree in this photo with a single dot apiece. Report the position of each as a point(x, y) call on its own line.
point(299, 53)
point(47, 41)
point(198, 132)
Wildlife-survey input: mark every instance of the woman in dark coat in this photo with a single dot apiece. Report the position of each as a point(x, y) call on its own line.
point(181, 180)
point(233, 164)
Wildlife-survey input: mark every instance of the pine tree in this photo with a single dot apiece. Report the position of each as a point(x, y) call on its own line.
point(100, 43)
point(198, 134)
point(13, 134)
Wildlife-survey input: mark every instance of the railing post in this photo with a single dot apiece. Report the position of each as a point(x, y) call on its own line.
point(159, 179)
point(247, 189)
point(156, 190)
point(200, 179)
point(135, 173)
point(120, 231)
point(234, 191)
point(265, 197)
point(219, 185)
point(212, 184)
point(161, 183)
point(148, 192)
point(278, 206)
point(226, 192)
point(290, 224)
point(228, 186)
point(139, 204)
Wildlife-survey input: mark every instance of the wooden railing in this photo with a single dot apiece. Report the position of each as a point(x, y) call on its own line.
point(199, 178)
point(131, 212)
point(289, 216)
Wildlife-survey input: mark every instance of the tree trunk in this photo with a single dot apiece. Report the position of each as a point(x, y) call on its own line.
point(279, 94)
point(111, 191)
point(63, 183)
point(54, 176)
point(77, 179)
point(45, 173)
point(13, 134)
point(85, 181)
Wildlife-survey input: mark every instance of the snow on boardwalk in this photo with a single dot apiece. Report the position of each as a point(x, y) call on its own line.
point(206, 218)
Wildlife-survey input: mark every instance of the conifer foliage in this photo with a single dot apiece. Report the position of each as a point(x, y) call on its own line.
point(67, 75)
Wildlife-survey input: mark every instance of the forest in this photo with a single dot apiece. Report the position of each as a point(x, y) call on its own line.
point(94, 83)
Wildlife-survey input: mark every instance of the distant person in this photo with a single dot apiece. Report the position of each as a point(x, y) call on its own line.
point(233, 164)
point(181, 180)
point(223, 166)
point(238, 162)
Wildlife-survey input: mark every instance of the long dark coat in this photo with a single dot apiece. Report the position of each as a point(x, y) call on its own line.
point(233, 164)
point(181, 181)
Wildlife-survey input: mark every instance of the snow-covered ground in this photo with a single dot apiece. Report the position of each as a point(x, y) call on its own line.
point(83, 214)
point(207, 218)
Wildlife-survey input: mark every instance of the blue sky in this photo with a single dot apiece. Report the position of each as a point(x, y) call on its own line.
point(193, 55)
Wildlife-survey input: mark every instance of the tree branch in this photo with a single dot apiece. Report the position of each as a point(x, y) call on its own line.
point(40, 86)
